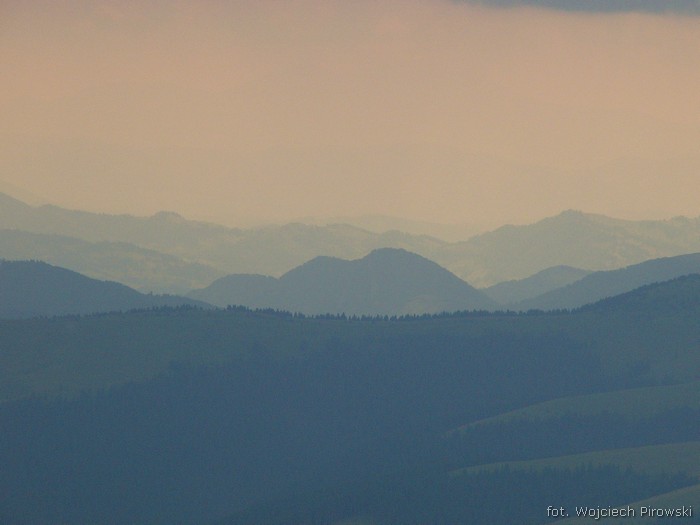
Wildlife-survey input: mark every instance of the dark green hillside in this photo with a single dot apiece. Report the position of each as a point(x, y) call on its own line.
point(193, 416)
point(636, 403)
point(32, 288)
point(680, 458)
point(386, 282)
point(679, 295)
point(484, 498)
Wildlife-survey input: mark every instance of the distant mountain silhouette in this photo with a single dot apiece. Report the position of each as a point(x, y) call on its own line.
point(253, 291)
point(509, 292)
point(33, 288)
point(599, 285)
point(132, 265)
point(383, 223)
point(386, 282)
point(270, 250)
point(572, 238)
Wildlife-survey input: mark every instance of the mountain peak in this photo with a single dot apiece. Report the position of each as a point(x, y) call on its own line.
point(169, 216)
point(392, 253)
point(8, 200)
point(387, 281)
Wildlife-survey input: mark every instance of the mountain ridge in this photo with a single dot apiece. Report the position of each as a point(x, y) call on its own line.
point(571, 238)
point(35, 288)
point(387, 281)
point(599, 285)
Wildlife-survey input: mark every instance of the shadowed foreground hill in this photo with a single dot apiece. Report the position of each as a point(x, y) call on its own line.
point(32, 288)
point(240, 417)
point(385, 282)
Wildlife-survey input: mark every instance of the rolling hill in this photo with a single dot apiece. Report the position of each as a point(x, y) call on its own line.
point(32, 288)
point(576, 239)
point(509, 292)
point(599, 285)
point(385, 282)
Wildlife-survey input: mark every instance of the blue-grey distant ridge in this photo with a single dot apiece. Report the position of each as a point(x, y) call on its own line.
point(385, 282)
point(34, 288)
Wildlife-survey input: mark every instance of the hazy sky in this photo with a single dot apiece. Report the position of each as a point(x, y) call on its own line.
point(440, 110)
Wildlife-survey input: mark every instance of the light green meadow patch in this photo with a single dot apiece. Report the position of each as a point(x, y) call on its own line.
point(675, 458)
point(637, 403)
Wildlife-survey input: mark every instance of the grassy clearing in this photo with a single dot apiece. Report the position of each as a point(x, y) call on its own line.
point(657, 459)
point(636, 403)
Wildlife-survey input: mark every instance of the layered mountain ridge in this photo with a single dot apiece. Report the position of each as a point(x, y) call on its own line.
point(34, 288)
point(580, 240)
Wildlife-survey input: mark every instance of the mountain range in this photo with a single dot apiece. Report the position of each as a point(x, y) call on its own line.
point(395, 282)
point(388, 281)
point(572, 238)
point(203, 251)
point(141, 268)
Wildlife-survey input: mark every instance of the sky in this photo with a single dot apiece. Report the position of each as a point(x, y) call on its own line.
point(481, 112)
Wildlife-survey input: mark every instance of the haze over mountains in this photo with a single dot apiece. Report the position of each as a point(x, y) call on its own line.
point(385, 282)
point(390, 282)
point(572, 238)
point(514, 291)
point(396, 282)
point(191, 254)
point(599, 285)
point(167, 253)
point(392, 320)
point(383, 223)
point(33, 288)
point(266, 417)
point(141, 268)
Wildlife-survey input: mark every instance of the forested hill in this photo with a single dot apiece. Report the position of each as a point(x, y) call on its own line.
point(236, 416)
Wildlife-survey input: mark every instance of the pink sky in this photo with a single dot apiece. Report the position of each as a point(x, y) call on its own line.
point(271, 110)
